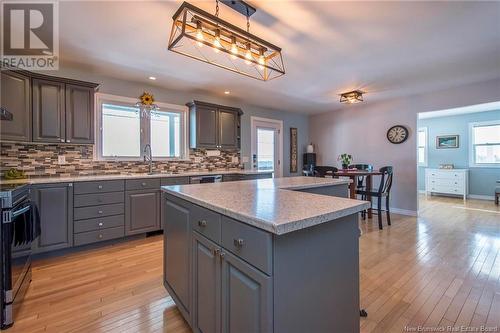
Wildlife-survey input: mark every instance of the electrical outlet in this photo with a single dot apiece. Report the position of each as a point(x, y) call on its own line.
point(213, 153)
point(61, 159)
point(245, 159)
point(235, 159)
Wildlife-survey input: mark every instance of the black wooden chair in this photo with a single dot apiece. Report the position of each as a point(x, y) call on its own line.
point(322, 171)
point(383, 190)
point(361, 179)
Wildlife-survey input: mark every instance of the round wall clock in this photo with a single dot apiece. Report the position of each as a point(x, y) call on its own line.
point(397, 134)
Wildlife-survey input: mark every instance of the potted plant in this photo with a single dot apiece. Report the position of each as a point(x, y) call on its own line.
point(345, 159)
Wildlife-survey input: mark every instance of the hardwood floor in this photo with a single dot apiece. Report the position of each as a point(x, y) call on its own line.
point(442, 269)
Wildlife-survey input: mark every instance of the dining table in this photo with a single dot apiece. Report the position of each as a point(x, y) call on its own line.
point(353, 174)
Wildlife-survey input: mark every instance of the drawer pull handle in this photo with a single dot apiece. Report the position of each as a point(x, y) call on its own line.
point(101, 224)
point(239, 242)
point(99, 187)
point(202, 223)
point(100, 212)
point(100, 236)
point(143, 184)
point(222, 255)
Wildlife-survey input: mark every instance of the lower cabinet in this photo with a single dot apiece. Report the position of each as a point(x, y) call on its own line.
point(142, 211)
point(55, 205)
point(229, 295)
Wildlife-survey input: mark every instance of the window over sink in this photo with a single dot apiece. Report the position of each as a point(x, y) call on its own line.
point(122, 133)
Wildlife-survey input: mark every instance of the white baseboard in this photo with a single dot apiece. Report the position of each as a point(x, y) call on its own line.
point(399, 211)
point(481, 197)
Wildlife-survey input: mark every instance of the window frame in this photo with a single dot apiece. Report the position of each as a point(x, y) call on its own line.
point(145, 128)
point(472, 145)
point(426, 147)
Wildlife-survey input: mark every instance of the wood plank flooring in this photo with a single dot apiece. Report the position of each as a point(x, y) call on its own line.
point(441, 269)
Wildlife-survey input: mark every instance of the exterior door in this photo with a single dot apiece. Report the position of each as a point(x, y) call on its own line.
point(79, 114)
point(16, 99)
point(228, 129)
point(49, 118)
point(267, 145)
point(206, 285)
point(207, 127)
point(246, 297)
point(142, 213)
point(55, 204)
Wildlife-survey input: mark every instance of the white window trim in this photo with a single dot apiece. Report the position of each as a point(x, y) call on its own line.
point(472, 162)
point(254, 121)
point(426, 147)
point(102, 98)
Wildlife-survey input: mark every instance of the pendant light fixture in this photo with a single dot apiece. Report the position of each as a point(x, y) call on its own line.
point(351, 97)
point(206, 37)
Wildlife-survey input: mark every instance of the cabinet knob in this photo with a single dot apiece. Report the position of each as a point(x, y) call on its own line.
point(222, 255)
point(216, 252)
point(239, 242)
point(202, 223)
point(143, 184)
point(62, 140)
point(100, 212)
point(68, 141)
point(99, 187)
point(100, 224)
point(100, 236)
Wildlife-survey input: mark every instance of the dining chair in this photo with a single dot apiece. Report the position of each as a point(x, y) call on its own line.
point(322, 171)
point(361, 179)
point(383, 191)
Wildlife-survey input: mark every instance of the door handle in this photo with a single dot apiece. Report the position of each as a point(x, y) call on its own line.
point(202, 223)
point(239, 242)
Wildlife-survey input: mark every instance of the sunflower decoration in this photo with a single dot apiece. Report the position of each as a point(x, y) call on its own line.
point(147, 99)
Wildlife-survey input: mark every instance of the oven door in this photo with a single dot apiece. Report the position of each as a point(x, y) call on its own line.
point(16, 259)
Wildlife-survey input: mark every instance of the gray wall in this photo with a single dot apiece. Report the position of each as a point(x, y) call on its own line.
point(124, 87)
point(360, 130)
point(481, 180)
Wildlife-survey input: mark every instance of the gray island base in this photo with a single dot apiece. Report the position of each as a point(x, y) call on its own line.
point(271, 255)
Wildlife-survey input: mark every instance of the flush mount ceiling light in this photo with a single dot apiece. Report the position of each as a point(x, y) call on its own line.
point(206, 37)
point(351, 97)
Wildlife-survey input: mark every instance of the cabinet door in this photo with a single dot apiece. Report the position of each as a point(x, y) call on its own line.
point(48, 111)
point(246, 297)
point(206, 127)
point(228, 129)
point(142, 211)
point(79, 114)
point(206, 285)
point(16, 99)
point(55, 205)
point(177, 259)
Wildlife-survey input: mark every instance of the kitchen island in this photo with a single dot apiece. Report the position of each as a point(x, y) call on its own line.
point(270, 255)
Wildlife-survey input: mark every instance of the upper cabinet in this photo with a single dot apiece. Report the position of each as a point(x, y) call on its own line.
point(47, 109)
point(214, 126)
point(16, 106)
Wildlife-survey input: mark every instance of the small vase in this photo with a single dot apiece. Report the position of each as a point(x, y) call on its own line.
point(345, 166)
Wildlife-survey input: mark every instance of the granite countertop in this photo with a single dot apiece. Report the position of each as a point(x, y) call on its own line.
point(273, 205)
point(71, 179)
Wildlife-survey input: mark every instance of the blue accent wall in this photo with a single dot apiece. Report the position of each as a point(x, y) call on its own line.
point(481, 180)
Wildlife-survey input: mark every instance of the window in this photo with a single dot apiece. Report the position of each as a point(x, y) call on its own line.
point(422, 146)
point(485, 144)
point(123, 133)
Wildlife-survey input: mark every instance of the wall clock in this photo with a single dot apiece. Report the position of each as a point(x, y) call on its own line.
point(397, 134)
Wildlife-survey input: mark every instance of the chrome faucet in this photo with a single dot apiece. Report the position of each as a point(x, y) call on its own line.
point(148, 157)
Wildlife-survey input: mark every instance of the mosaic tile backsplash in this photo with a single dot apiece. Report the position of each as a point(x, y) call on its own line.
point(41, 160)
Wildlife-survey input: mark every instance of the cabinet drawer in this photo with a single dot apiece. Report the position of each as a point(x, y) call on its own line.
point(206, 223)
point(98, 211)
point(99, 223)
point(174, 181)
point(447, 189)
point(99, 186)
point(99, 235)
point(142, 184)
point(446, 182)
point(83, 200)
point(249, 243)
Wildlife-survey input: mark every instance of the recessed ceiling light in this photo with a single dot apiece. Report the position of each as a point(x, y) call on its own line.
point(227, 92)
point(152, 78)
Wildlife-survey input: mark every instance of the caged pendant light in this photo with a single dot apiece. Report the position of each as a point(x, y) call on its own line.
point(206, 37)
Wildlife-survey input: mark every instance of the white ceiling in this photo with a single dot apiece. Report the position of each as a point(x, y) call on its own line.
point(387, 49)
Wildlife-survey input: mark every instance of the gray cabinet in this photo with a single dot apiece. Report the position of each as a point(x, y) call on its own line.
point(142, 211)
point(214, 126)
point(177, 254)
point(16, 100)
point(206, 285)
point(55, 204)
point(246, 297)
point(49, 116)
point(79, 114)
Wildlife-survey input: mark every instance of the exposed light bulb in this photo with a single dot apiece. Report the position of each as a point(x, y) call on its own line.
point(248, 55)
point(262, 60)
point(199, 34)
point(216, 41)
point(234, 47)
